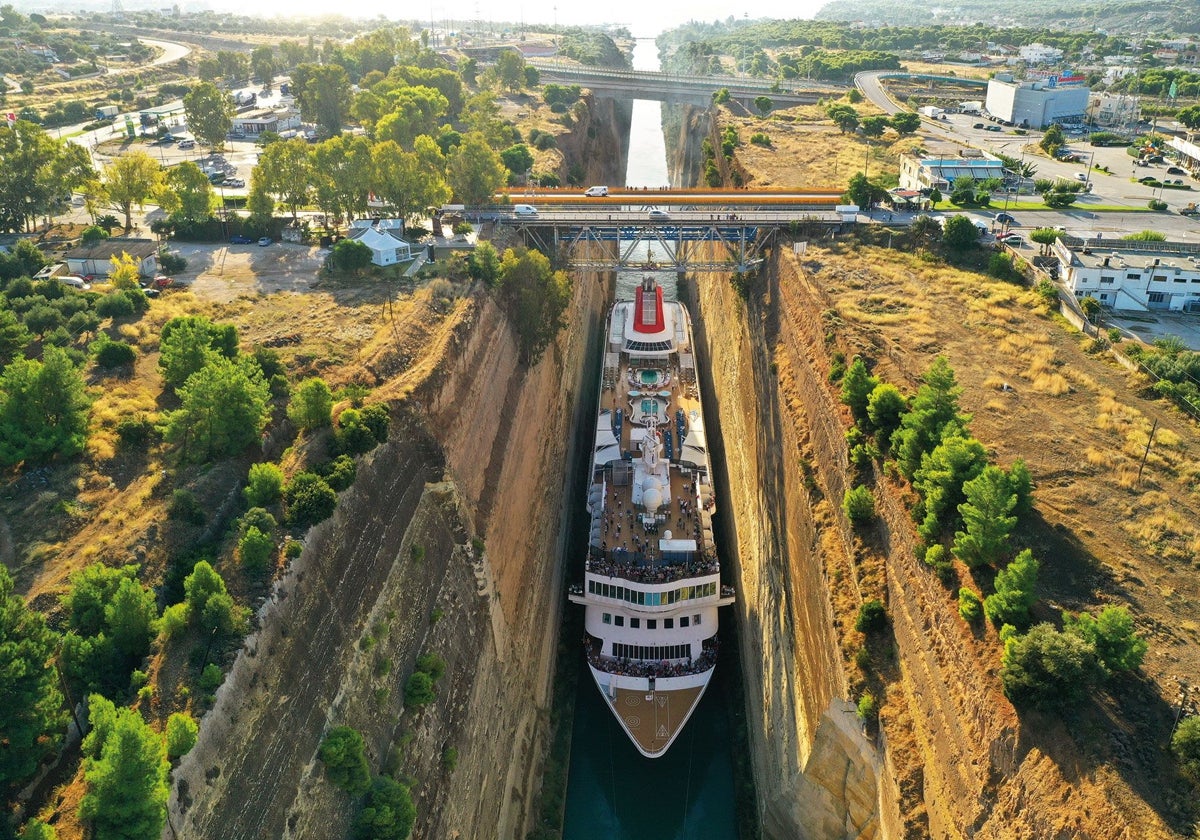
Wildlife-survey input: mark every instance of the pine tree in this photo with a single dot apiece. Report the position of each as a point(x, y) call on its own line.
point(986, 518)
point(43, 409)
point(126, 775)
point(857, 386)
point(1014, 594)
point(933, 413)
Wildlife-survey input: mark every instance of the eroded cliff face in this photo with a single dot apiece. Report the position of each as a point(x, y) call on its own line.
point(448, 542)
point(818, 775)
point(598, 145)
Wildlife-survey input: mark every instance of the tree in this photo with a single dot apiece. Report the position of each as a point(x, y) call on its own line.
point(343, 754)
point(126, 774)
point(474, 170)
point(906, 122)
point(285, 171)
point(36, 170)
point(92, 234)
point(1090, 307)
point(131, 179)
point(1185, 743)
point(181, 734)
point(124, 273)
point(941, 479)
point(1112, 634)
point(414, 111)
point(131, 620)
point(193, 194)
point(1021, 483)
point(209, 112)
point(342, 170)
point(14, 337)
point(1053, 140)
point(985, 514)
point(418, 690)
point(264, 484)
point(862, 192)
point(323, 93)
point(885, 407)
point(517, 159)
point(262, 64)
point(224, 410)
point(255, 548)
point(410, 182)
point(312, 403)
point(31, 706)
point(764, 105)
point(37, 830)
point(388, 813)
point(1044, 237)
point(857, 386)
point(43, 409)
point(874, 126)
point(210, 607)
point(185, 348)
point(872, 617)
point(534, 297)
point(1014, 593)
point(510, 69)
point(859, 505)
point(844, 117)
point(482, 264)
point(960, 233)
point(1047, 669)
point(934, 410)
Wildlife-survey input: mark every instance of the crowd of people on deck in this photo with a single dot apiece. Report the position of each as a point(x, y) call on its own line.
point(656, 668)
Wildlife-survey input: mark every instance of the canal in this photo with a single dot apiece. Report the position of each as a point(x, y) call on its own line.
point(613, 793)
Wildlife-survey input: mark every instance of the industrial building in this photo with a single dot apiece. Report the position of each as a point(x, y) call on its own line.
point(1036, 104)
point(1132, 275)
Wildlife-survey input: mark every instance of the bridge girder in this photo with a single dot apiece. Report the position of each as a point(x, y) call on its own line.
point(685, 247)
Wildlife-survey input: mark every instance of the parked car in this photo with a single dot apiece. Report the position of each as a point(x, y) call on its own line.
point(263, 242)
point(1012, 240)
point(237, 183)
point(977, 125)
point(1175, 170)
point(992, 128)
point(1147, 179)
point(238, 239)
point(187, 144)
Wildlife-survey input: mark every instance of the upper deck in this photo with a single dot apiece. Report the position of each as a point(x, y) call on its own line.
point(651, 498)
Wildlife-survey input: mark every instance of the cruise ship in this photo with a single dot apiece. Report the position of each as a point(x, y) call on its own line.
point(652, 578)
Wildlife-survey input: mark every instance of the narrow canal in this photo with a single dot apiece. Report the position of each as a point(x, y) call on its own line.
point(613, 793)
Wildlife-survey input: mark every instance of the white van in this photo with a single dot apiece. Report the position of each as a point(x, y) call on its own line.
point(524, 210)
point(596, 192)
point(75, 281)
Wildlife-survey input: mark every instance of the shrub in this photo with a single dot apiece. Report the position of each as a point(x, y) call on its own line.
point(211, 677)
point(388, 812)
point(186, 508)
point(354, 436)
point(449, 759)
point(255, 549)
point(264, 484)
point(172, 263)
point(969, 605)
point(872, 617)
point(431, 664)
point(1047, 669)
point(293, 549)
point(760, 139)
point(181, 734)
point(175, 619)
point(1117, 644)
point(111, 354)
point(859, 505)
point(311, 404)
point(309, 499)
point(338, 473)
point(344, 755)
point(868, 707)
point(115, 305)
point(1185, 744)
point(1156, 205)
point(134, 431)
point(935, 557)
point(418, 691)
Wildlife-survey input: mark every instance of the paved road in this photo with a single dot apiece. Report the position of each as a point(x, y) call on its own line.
point(868, 82)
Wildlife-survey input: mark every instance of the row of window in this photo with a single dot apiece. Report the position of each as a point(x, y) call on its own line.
point(649, 346)
point(651, 653)
point(651, 599)
point(651, 623)
point(1158, 278)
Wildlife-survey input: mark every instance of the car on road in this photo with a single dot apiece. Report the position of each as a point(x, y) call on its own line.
point(264, 241)
point(658, 215)
point(992, 128)
point(1081, 176)
point(977, 125)
point(1147, 179)
point(596, 191)
point(524, 210)
point(187, 144)
point(238, 239)
point(1175, 170)
point(1005, 219)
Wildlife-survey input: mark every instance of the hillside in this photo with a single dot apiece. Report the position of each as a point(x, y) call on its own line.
point(1172, 17)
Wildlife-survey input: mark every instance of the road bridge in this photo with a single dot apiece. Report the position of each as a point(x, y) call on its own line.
point(778, 198)
point(680, 87)
point(696, 239)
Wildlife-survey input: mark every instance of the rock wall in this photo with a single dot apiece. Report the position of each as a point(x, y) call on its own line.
point(450, 541)
point(818, 775)
point(598, 145)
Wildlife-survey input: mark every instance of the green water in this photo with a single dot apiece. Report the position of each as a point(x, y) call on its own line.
point(616, 794)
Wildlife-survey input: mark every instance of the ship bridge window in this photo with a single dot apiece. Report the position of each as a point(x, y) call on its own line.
point(606, 618)
point(651, 623)
point(651, 653)
point(648, 346)
point(635, 623)
point(619, 620)
point(668, 624)
point(683, 621)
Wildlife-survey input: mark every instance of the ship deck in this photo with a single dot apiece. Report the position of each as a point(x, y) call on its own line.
point(653, 719)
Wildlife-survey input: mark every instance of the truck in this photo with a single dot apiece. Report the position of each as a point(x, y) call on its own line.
point(107, 112)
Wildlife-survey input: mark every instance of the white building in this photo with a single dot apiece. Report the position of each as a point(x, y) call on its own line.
point(1040, 54)
point(383, 238)
point(1036, 104)
point(941, 173)
point(265, 119)
point(1132, 275)
point(97, 259)
point(1110, 109)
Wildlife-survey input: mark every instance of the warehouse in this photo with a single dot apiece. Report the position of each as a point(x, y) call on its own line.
point(1036, 104)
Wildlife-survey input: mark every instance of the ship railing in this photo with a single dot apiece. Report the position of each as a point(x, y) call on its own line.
point(706, 661)
point(652, 574)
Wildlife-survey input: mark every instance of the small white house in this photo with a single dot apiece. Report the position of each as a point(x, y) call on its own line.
point(97, 259)
point(387, 248)
point(1129, 275)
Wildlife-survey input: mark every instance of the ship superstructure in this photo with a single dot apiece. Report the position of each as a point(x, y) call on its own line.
point(652, 578)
